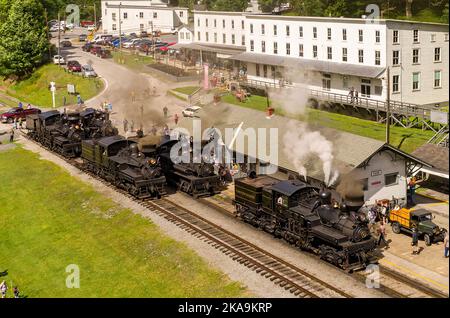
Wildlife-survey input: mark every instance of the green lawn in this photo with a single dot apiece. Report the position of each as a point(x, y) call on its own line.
point(361, 127)
point(35, 89)
point(187, 90)
point(134, 62)
point(50, 220)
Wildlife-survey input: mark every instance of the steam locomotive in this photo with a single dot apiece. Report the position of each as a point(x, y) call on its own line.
point(120, 162)
point(303, 215)
point(63, 132)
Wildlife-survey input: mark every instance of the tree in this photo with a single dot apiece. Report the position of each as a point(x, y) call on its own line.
point(308, 7)
point(268, 5)
point(24, 41)
point(337, 8)
point(5, 5)
point(408, 8)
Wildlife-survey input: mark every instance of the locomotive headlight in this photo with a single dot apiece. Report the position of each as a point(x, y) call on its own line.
point(152, 161)
point(77, 127)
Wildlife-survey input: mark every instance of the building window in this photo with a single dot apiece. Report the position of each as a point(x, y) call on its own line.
point(155, 15)
point(233, 40)
point(206, 22)
point(274, 30)
point(114, 27)
point(415, 56)
point(365, 87)
point(207, 36)
point(361, 56)
point(125, 15)
point(329, 34)
point(344, 54)
point(263, 29)
point(265, 70)
point(181, 14)
point(326, 82)
point(141, 15)
point(395, 57)
point(437, 54)
point(188, 36)
point(360, 36)
point(215, 37)
point(113, 16)
point(182, 35)
point(377, 36)
point(198, 22)
point(288, 30)
point(232, 24)
point(300, 31)
point(300, 50)
point(416, 79)
point(433, 37)
point(275, 48)
point(315, 51)
point(215, 23)
point(198, 36)
point(252, 45)
point(243, 40)
point(446, 37)
point(263, 46)
point(395, 36)
point(437, 79)
point(288, 49)
point(242, 25)
point(344, 34)
point(377, 58)
point(390, 179)
point(395, 83)
point(257, 70)
point(329, 53)
point(223, 24)
point(272, 71)
point(365, 184)
point(416, 36)
point(314, 32)
point(224, 38)
point(345, 81)
point(251, 28)
point(141, 27)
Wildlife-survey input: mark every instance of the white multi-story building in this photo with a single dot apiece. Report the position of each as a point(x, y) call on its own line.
point(141, 15)
point(335, 54)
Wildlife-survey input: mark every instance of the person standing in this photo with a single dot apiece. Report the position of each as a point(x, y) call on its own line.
point(125, 125)
point(382, 233)
point(356, 96)
point(11, 135)
point(29, 106)
point(15, 123)
point(165, 111)
point(20, 122)
point(3, 289)
point(446, 245)
point(16, 292)
point(20, 105)
point(132, 126)
point(133, 96)
point(415, 240)
point(351, 94)
point(176, 119)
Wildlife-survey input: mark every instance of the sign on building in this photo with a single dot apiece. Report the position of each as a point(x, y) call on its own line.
point(439, 117)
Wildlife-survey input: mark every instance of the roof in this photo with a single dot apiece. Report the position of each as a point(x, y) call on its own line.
point(50, 113)
point(223, 49)
point(419, 212)
point(314, 65)
point(107, 141)
point(289, 187)
point(435, 155)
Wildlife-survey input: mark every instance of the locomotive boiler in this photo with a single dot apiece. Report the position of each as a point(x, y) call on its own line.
point(303, 215)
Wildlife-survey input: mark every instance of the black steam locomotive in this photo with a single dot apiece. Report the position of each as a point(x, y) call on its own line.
point(120, 162)
point(63, 132)
point(303, 216)
point(195, 176)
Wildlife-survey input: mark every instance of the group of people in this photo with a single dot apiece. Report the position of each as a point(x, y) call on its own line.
point(354, 95)
point(4, 289)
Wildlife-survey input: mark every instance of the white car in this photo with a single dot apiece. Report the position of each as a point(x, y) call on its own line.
point(58, 59)
point(191, 111)
point(88, 71)
point(56, 27)
point(129, 44)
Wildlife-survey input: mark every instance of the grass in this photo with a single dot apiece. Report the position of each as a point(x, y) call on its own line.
point(414, 137)
point(132, 61)
point(177, 96)
point(187, 90)
point(35, 89)
point(50, 220)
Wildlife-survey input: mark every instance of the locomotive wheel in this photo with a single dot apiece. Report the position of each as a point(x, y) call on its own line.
point(396, 228)
point(427, 240)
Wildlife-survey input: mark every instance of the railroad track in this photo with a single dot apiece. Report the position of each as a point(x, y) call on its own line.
point(284, 274)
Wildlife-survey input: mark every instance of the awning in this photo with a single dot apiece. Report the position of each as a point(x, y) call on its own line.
point(435, 172)
point(311, 65)
point(221, 49)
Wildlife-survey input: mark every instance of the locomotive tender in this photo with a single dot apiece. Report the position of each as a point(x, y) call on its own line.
point(303, 215)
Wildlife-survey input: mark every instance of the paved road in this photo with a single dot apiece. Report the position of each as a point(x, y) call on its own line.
point(121, 82)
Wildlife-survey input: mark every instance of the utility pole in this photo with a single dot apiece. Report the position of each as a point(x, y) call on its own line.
point(153, 39)
point(388, 106)
point(120, 28)
point(95, 16)
point(59, 39)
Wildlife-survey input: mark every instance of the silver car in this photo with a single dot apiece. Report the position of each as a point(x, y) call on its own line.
point(88, 71)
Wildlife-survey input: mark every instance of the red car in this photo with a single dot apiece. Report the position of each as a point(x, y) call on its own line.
point(95, 49)
point(17, 112)
point(74, 66)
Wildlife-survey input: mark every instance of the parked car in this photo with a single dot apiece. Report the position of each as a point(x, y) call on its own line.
point(104, 53)
point(190, 111)
point(87, 47)
point(66, 44)
point(133, 35)
point(143, 34)
point(132, 43)
point(16, 112)
point(94, 49)
point(406, 219)
point(58, 59)
point(74, 66)
point(56, 27)
point(82, 37)
point(88, 71)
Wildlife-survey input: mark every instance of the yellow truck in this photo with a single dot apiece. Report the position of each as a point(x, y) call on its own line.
point(406, 219)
